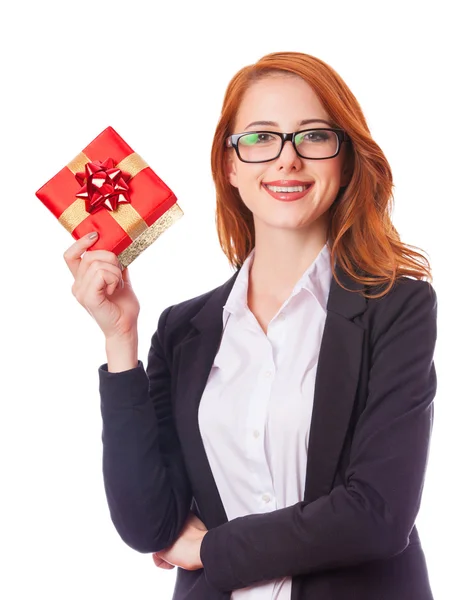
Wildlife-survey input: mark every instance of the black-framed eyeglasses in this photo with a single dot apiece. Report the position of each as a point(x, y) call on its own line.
point(263, 146)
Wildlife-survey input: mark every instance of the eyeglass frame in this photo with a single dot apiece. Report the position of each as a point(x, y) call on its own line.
point(234, 138)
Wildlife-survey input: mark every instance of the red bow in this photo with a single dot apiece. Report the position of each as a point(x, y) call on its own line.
point(103, 185)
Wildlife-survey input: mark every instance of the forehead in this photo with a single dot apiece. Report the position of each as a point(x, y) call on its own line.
point(284, 99)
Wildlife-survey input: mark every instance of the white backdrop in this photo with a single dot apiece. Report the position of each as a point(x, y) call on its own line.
point(157, 73)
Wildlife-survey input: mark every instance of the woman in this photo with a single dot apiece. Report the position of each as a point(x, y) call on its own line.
point(276, 445)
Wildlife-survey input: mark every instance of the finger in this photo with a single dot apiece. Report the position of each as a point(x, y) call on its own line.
point(98, 276)
point(105, 255)
point(93, 256)
point(100, 280)
point(73, 254)
point(161, 563)
point(99, 265)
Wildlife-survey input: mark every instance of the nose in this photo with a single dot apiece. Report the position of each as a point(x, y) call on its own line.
point(289, 159)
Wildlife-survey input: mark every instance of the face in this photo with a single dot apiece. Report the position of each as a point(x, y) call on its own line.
point(286, 100)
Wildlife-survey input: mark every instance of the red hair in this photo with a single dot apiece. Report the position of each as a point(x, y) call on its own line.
point(361, 235)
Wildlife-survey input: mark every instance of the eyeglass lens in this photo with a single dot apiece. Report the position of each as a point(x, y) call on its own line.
point(316, 143)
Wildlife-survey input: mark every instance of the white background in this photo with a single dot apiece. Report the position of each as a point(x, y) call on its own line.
point(157, 73)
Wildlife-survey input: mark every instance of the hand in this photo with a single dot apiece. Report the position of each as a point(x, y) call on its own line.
point(102, 288)
point(185, 552)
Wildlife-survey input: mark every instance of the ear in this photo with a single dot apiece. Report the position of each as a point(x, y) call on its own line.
point(230, 169)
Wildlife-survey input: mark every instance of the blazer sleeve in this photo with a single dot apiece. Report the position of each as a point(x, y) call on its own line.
point(371, 516)
point(146, 483)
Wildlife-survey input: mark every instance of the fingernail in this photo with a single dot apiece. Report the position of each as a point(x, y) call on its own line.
point(93, 235)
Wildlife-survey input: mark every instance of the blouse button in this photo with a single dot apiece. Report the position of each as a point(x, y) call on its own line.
point(256, 433)
point(266, 497)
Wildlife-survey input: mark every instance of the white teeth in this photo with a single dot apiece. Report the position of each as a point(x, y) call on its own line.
point(297, 188)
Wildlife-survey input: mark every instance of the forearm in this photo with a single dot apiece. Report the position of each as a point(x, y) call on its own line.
point(122, 352)
point(148, 500)
point(334, 531)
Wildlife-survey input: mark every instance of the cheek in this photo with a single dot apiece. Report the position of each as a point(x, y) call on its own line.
point(248, 178)
point(329, 175)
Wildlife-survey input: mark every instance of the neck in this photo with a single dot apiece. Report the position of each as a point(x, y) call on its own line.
point(281, 257)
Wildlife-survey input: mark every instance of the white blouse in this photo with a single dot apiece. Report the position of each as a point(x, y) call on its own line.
point(255, 412)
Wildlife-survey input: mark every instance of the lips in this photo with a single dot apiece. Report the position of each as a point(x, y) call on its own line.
point(287, 182)
point(289, 196)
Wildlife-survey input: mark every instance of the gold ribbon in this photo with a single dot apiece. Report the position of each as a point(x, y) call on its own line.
point(126, 216)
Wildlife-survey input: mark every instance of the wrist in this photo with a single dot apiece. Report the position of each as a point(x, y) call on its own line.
point(122, 352)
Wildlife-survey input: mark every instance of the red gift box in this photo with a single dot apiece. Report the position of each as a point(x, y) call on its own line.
point(109, 188)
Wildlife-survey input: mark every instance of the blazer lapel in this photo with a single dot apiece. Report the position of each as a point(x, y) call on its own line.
point(195, 359)
point(334, 393)
point(335, 384)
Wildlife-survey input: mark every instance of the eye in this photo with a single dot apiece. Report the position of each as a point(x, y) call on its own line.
point(314, 136)
point(317, 135)
point(251, 139)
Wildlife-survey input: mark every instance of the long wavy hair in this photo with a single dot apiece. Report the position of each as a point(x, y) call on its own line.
point(361, 235)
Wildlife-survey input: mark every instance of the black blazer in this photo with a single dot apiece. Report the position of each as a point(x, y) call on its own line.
point(354, 535)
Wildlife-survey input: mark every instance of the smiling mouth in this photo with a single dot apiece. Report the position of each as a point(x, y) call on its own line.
point(287, 189)
point(288, 193)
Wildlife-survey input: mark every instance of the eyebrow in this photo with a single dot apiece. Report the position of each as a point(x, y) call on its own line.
point(303, 122)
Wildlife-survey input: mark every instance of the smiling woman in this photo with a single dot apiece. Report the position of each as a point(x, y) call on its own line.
point(356, 210)
point(276, 445)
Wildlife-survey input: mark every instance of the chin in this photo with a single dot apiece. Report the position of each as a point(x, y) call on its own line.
point(283, 223)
